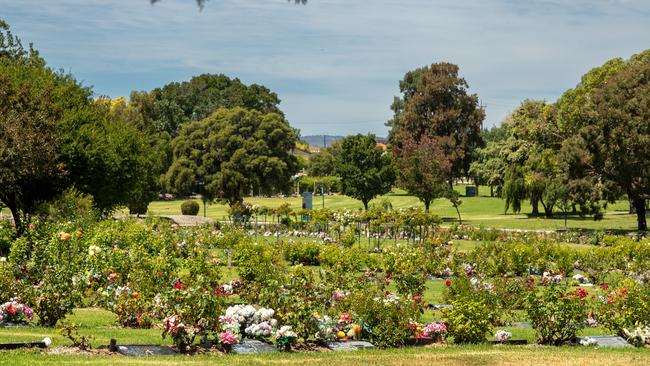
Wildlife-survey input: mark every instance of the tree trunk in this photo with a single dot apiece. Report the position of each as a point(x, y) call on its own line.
point(535, 204)
point(639, 205)
point(365, 204)
point(18, 223)
point(548, 210)
point(491, 191)
point(427, 203)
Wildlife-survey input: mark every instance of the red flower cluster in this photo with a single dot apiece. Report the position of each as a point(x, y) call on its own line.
point(582, 293)
point(179, 285)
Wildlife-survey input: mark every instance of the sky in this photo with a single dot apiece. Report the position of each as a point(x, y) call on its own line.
point(335, 64)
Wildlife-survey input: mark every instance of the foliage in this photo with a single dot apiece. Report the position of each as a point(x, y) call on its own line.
point(50, 273)
point(556, 312)
point(435, 104)
point(388, 317)
point(315, 183)
point(305, 253)
point(364, 168)
point(624, 307)
point(469, 320)
point(31, 167)
point(231, 152)
point(607, 119)
point(176, 104)
point(190, 207)
point(322, 164)
point(422, 168)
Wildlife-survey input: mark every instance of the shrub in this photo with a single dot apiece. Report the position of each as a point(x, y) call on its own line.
point(302, 253)
point(469, 319)
point(190, 207)
point(139, 208)
point(388, 318)
point(348, 237)
point(625, 308)
point(556, 312)
point(51, 278)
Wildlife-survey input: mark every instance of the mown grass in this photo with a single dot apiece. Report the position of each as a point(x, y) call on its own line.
point(477, 211)
point(450, 355)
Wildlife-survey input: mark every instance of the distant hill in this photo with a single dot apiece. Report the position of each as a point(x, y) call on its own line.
point(317, 140)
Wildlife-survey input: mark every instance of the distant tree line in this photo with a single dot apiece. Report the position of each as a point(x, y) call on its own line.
point(588, 149)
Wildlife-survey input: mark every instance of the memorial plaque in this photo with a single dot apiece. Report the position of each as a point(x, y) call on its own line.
point(349, 346)
point(146, 350)
point(607, 341)
point(252, 346)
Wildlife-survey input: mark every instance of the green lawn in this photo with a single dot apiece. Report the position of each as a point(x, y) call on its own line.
point(477, 211)
point(442, 355)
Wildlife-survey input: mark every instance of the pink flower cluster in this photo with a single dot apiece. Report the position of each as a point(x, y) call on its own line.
point(228, 338)
point(435, 329)
point(13, 311)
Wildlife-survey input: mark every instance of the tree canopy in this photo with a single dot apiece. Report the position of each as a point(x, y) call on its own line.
point(168, 108)
point(231, 153)
point(53, 136)
point(435, 103)
point(607, 120)
point(365, 169)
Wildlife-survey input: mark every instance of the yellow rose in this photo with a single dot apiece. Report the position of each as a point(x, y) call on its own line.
point(340, 334)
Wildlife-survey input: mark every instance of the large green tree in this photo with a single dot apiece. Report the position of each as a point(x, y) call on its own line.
point(422, 169)
point(231, 153)
point(488, 167)
point(607, 117)
point(365, 168)
point(53, 135)
point(168, 108)
point(435, 103)
point(322, 164)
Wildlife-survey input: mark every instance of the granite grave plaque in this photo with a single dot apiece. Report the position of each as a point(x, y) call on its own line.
point(349, 346)
point(252, 346)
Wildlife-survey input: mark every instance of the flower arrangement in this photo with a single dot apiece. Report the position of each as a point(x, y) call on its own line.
point(229, 289)
point(346, 327)
point(588, 341)
point(228, 339)
point(182, 335)
point(639, 337)
point(258, 323)
point(15, 312)
point(285, 337)
point(502, 336)
point(436, 330)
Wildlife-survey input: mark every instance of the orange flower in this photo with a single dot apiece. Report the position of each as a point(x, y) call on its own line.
point(65, 236)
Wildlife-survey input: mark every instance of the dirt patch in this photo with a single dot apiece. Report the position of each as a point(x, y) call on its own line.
point(78, 351)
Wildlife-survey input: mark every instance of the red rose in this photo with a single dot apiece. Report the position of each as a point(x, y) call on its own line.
point(448, 283)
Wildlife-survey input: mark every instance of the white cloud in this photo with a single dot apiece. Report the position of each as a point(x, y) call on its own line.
point(335, 63)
